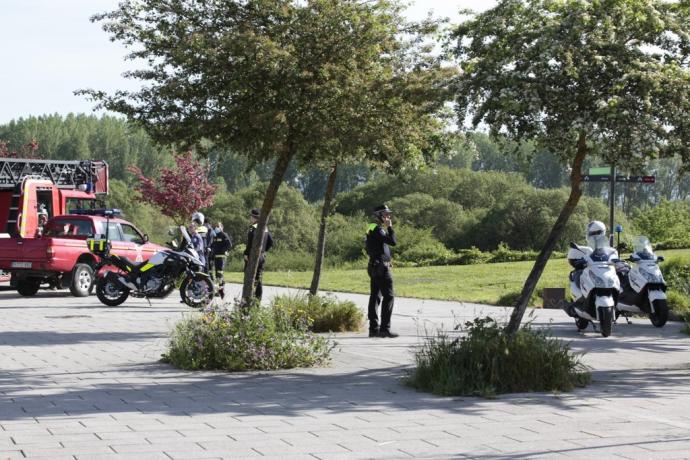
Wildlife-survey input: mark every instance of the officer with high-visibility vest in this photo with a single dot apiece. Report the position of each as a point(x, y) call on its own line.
point(380, 235)
point(267, 243)
point(220, 245)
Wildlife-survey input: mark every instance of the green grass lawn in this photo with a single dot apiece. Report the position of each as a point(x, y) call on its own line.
point(482, 283)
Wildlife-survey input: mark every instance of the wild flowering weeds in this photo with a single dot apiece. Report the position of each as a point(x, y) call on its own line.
point(486, 361)
point(245, 339)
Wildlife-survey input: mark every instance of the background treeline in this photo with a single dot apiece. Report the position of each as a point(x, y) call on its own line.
point(488, 200)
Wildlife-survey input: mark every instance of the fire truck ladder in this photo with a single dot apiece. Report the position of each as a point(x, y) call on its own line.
point(64, 174)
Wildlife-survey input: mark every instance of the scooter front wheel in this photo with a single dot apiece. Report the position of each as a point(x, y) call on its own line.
point(660, 315)
point(605, 321)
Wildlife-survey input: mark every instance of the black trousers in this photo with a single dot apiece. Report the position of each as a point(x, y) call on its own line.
point(219, 266)
point(258, 286)
point(381, 293)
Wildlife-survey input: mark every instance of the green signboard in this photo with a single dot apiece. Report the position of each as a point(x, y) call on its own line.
point(600, 171)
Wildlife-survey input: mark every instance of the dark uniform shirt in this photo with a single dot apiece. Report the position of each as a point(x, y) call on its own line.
point(221, 243)
point(378, 242)
point(268, 241)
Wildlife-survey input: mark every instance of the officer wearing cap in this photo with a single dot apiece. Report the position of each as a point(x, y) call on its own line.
point(267, 242)
point(380, 235)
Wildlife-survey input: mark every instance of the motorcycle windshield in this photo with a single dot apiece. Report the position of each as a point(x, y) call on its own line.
point(643, 248)
point(186, 240)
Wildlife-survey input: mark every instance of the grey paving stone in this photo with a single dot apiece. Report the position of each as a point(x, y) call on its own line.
point(100, 376)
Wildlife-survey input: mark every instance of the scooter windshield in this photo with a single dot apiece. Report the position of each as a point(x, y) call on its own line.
point(643, 248)
point(598, 242)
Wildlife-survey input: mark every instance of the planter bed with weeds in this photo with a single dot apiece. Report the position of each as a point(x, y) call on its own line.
point(255, 338)
point(486, 362)
point(322, 313)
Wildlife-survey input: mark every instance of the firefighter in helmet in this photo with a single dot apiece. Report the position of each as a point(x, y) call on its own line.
point(220, 245)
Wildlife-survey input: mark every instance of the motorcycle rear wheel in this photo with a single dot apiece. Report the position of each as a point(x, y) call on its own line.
point(605, 321)
point(111, 293)
point(196, 291)
point(660, 315)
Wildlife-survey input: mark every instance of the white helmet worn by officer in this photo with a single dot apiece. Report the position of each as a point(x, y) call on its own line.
point(198, 217)
point(596, 234)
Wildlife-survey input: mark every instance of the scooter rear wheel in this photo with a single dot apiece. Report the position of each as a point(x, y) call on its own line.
point(605, 321)
point(660, 315)
point(581, 323)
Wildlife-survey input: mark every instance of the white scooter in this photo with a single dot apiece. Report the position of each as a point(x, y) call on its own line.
point(594, 285)
point(643, 285)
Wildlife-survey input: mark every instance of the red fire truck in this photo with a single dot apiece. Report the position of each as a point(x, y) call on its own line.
point(42, 242)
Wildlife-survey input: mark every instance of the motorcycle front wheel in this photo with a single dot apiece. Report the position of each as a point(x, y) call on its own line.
point(660, 315)
point(196, 291)
point(111, 293)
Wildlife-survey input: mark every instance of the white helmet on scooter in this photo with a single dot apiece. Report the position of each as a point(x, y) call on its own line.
point(198, 218)
point(596, 233)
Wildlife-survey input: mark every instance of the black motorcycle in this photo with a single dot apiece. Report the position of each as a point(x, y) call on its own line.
point(155, 278)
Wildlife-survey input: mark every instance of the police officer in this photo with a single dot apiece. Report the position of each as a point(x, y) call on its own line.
point(206, 234)
point(267, 245)
point(198, 242)
point(380, 235)
point(220, 245)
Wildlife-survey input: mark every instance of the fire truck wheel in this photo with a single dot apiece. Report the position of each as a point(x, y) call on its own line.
point(28, 287)
point(82, 279)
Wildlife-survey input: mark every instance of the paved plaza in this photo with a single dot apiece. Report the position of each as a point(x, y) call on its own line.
point(82, 381)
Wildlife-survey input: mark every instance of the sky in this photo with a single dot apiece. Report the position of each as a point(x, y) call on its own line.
point(49, 49)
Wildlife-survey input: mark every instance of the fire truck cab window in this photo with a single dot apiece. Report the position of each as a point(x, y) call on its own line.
point(69, 227)
point(75, 204)
point(131, 234)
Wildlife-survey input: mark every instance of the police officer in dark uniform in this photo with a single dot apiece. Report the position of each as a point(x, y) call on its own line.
point(220, 245)
point(380, 236)
point(267, 245)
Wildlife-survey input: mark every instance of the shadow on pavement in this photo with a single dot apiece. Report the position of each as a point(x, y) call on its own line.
point(42, 338)
point(158, 388)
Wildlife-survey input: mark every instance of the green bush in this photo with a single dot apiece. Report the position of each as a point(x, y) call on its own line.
point(679, 305)
point(668, 220)
point(322, 313)
point(471, 256)
point(245, 339)
point(505, 254)
point(509, 299)
point(677, 275)
point(487, 361)
point(677, 243)
point(418, 246)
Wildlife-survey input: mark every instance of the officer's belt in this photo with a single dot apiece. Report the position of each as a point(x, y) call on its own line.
point(380, 262)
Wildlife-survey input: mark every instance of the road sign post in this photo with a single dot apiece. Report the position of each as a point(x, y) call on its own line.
point(608, 174)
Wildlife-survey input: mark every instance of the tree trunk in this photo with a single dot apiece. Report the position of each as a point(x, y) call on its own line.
point(321, 243)
point(554, 235)
point(266, 207)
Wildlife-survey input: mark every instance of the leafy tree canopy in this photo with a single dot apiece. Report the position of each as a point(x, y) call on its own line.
point(614, 71)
